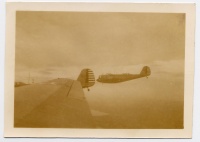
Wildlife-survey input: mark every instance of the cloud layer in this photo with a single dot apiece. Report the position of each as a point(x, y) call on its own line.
point(75, 40)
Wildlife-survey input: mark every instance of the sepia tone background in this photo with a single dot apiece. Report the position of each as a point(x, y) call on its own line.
point(59, 44)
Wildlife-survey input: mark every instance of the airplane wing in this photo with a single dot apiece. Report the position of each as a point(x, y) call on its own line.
point(58, 103)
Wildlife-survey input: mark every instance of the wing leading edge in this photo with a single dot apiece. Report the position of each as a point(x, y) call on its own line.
point(58, 103)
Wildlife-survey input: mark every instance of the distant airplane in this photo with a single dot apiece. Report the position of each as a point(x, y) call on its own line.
point(58, 103)
point(18, 84)
point(116, 78)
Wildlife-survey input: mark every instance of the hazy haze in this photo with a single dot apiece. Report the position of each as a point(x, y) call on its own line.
point(60, 44)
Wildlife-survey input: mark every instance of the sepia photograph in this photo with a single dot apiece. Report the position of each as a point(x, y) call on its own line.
point(107, 70)
point(131, 64)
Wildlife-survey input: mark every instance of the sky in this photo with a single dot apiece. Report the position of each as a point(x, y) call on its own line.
point(60, 44)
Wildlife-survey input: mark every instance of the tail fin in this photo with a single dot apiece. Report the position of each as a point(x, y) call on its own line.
point(86, 78)
point(145, 71)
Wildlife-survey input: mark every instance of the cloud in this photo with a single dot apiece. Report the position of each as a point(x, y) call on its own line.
point(107, 42)
point(45, 72)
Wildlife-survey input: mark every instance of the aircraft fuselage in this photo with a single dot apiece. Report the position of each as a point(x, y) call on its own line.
point(116, 78)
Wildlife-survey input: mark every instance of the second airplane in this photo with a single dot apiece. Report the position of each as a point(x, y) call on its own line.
point(116, 78)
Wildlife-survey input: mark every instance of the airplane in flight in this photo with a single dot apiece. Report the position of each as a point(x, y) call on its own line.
point(117, 78)
point(58, 103)
point(18, 84)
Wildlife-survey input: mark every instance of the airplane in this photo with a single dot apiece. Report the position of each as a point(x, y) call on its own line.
point(117, 78)
point(58, 103)
point(18, 84)
point(86, 78)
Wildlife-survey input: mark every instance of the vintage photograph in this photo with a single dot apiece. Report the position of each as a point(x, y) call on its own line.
point(99, 70)
point(111, 70)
